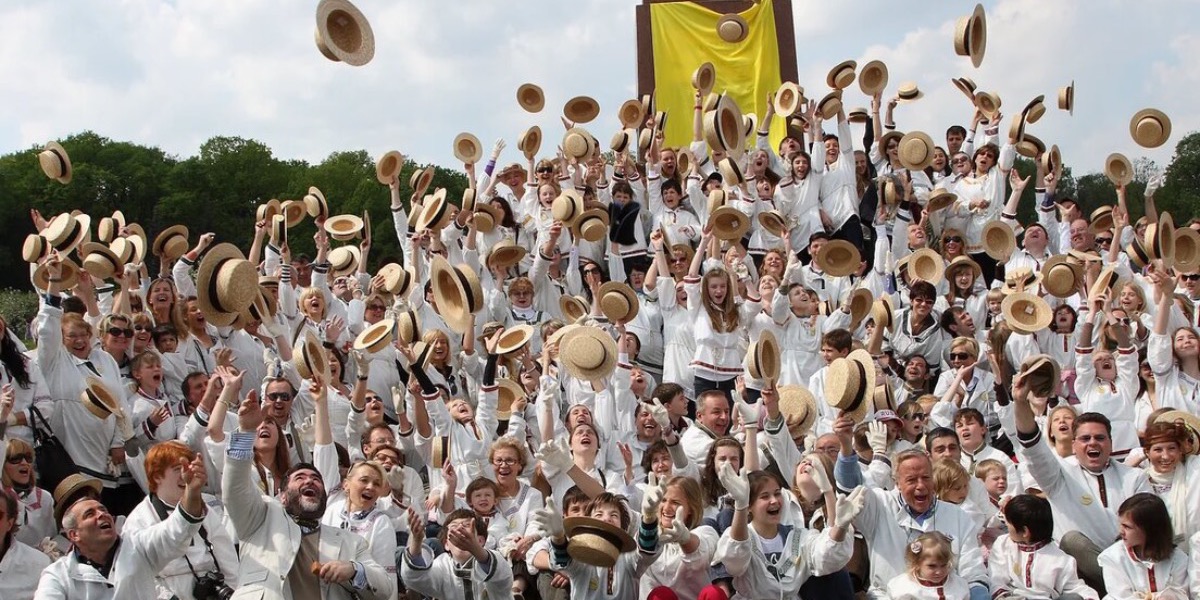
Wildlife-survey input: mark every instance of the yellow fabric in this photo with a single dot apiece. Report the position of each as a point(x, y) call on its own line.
point(685, 36)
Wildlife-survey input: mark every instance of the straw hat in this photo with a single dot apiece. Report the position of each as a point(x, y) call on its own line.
point(408, 327)
point(99, 261)
point(124, 249)
point(847, 383)
point(577, 143)
point(988, 103)
point(966, 85)
point(344, 260)
point(581, 109)
point(514, 338)
point(909, 92)
point(98, 399)
point(788, 99)
point(592, 225)
point(531, 98)
point(873, 77)
point(959, 263)
point(618, 301)
point(344, 228)
point(631, 114)
point(457, 292)
point(830, 105)
point(226, 284)
point(1160, 239)
point(882, 312)
point(294, 211)
point(435, 212)
point(704, 78)
point(1190, 422)
point(1150, 127)
point(1061, 277)
point(1025, 312)
point(621, 140)
point(1042, 374)
point(927, 265)
point(723, 126)
point(137, 239)
point(732, 28)
point(267, 210)
point(729, 223)
point(420, 180)
point(505, 254)
point(171, 243)
point(315, 204)
point(55, 162)
point(1066, 98)
point(110, 227)
point(774, 222)
point(388, 167)
point(838, 258)
point(763, 357)
point(589, 353)
point(397, 280)
point(376, 337)
point(35, 248)
point(999, 240)
point(1105, 283)
point(343, 33)
point(1101, 219)
point(861, 301)
point(487, 217)
point(66, 491)
point(841, 75)
point(1187, 250)
point(799, 408)
point(467, 148)
point(507, 392)
point(940, 198)
point(1035, 109)
point(66, 231)
point(1021, 279)
point(916, 150)
point(858, 115)
point(567, 207)
point(309, 357)
point(595, 542)
point(970, 36)
point(572, 308)
point(67, 279)
point(731, 173)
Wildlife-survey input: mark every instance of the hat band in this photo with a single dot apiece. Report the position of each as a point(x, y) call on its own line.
point(1139, 252)
point(62, 161)
point(96, 400)
point(861, 393)
point(466, 287)
point(213, 296)
point(71, 235)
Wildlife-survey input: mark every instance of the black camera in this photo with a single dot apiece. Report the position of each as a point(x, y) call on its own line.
point(211, 586)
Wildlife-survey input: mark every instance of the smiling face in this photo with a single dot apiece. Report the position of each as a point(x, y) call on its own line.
point(1092, 446)
point(1106, 365)
point(914, 479)
point(304, 495)
point(77, 338)
point(460, 410)
point(1164, 456)
point(647, 428)
point(1186, 344)
point(584, 439)
point(266, 437)
point(363, 487)
point(766, 506)
point(801, 166)
point(195, 319)
point(714, 413)
point(506, 462)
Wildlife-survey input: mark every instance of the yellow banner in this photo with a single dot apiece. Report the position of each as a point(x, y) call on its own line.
point(685, 36)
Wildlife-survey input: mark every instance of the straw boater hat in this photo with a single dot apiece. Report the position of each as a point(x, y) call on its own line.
point(581, 109)
point(1066, 98)
point(309, 356)
point(588, 353)
point(408, 327)
point(618, 301)
point(926, 265)
point(279, 230)
point(467, 148)
point(838, 258)
point(171, 243)
point(873, 77)
point(1150, 127)
point(621, 140)
point(1105, 283)
point(1025, 312)
point(763, 357)
point(1034, 110)
point(572, 308)
point(343, 33)
point(788, 99)
point(514, 338)
point(67, 279)
point(830, 105)
point(137, 239)
point(315, 204)
point(531, 98)
point(940, 198)
point(728, 223)
point(99, 261)
point(344, 228)
point(1160, 239)
point(110, 227)
point(861, 302)
point(226, 284)
point(435, 213)
point(67, 492)
point(595, 542)
point(1061, 277)
point(858, 115)
point(1042, 374)
point(507, 393)
point(1187, 250)
point(487, 217)
point(999, 240)
point(848, 383)
point(882, 312)
point(66, 231)
point(916, 150)
point(970, 36)
point(35, 248)
point(1101, 219)
point(567, 207)
point(1190, 423)
point(732, 28)
point(421, 180)
point(1030, 146)
point(841, 75)
point(98, 399)
point(1052, 160)
point(731, 173)
point(267, 210)
point(124, 249)
point(343, 260)
point(577, 143)
point(909, 92)
point(799, 408)
point(723, 126)
point(376, 337)
point(457, 292)
point(388, 167)
point(704, 78)
point(988, 103)
point(774, 222)
point(55, 162)
point(294, 211)
point(505, 254)
point(592, 225)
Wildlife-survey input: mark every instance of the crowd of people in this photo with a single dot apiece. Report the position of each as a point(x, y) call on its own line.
point(720, 371)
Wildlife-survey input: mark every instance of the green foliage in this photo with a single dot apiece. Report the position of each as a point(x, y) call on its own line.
point(18, 307)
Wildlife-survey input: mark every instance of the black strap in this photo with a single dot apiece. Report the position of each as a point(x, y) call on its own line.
point(41, 432)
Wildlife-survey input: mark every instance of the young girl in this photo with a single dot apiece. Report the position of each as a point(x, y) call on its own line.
point(687, 545)
point(930, 572)
point(1026, 563)
point(1105, 382)
point(798, 314)
point(1144, 563)
point(717, 323)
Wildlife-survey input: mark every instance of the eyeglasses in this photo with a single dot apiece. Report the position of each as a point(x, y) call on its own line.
point(141, 328)
point(1191, 277)
point(961, 160)
point(375, 307)
point(959, 356)
point(17, 459)
point(504, 461)
point(370, 399)
point(279, 396)
point(954, 239)
point(916, 417)
point(118, 332)
point(1091, 438)
point(1104, 241)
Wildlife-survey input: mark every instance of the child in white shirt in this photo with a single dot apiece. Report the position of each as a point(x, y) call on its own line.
point(1026, 564)
point(930, 573)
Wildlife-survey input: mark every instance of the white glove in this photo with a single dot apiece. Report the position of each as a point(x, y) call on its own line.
point(820, 477)
point(678, 532)
point(1153, 185)
point(736, 484)
point(877, 438)
point(548, 521)
point(557, 454)
point(652, 498)
point(748, 412)
point(362, 362)
point(848, 507)
point(395, 479)
point(660, 415)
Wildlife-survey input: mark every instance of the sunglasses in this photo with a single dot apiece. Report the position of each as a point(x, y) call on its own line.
point(544, 170)
point(279, 396)
point(141, 328)
point(1105, 241)
point(961, 160)
point(917, 416)
point(1091, 438)
point(959, 356)
point(954, 239)
point(118, 332)
point(1191, 277)
point(17, 459)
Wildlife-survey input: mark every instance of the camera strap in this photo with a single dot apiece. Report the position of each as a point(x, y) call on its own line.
point(165, 511)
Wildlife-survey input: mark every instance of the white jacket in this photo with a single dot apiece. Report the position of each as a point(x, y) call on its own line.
point(176, 577)
point(19, 571)
point(1046, 572)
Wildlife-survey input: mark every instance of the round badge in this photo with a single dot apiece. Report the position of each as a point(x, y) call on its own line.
point(1086, 500)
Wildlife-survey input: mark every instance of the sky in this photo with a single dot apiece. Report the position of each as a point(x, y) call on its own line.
point(173, 73)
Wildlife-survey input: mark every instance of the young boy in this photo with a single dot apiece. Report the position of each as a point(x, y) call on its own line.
point(835, 344)
point(994, 476)
point(1026, 563)
point(972, 440)
point(466, 570)
point(551, 583)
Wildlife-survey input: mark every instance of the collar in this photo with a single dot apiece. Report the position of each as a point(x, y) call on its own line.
point(927, 583)
point(307, 526)
point(914, 514)
point(104, 568)
point(1032, 547)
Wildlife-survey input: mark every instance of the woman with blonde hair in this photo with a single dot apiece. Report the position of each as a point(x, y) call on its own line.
point(36, 520)
point(718, 321)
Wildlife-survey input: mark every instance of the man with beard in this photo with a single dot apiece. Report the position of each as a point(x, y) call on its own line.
point(285, 551)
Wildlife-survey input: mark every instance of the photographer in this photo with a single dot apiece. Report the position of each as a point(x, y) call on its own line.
point(210, 565)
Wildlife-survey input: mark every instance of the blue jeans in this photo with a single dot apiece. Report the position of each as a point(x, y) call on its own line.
point(834, 586)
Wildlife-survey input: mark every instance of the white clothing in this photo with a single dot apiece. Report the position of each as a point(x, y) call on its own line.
point(1035, 574)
